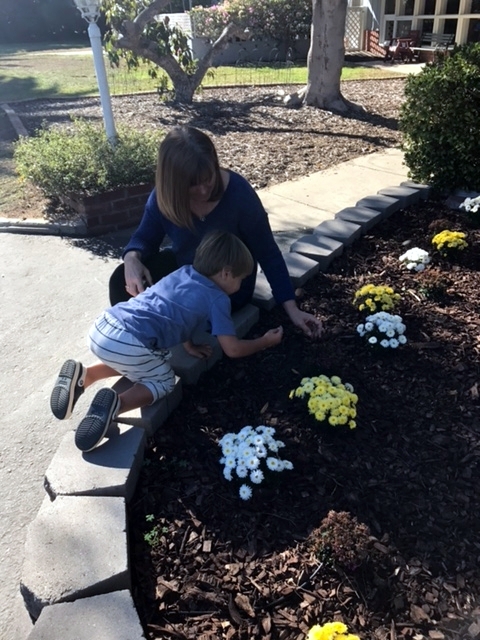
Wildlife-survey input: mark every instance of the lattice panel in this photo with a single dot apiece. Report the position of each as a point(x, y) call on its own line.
point(354, 28)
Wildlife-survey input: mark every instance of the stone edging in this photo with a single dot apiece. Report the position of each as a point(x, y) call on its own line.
point(76, 577)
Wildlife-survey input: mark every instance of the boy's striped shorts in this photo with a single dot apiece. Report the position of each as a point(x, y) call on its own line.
point(121, 351)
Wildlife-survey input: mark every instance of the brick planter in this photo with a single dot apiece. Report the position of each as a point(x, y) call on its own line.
point(112, 210)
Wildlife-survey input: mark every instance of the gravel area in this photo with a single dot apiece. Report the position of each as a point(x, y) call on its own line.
point(255, 133)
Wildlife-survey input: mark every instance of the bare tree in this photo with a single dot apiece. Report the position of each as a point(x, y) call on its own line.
point(325, 58)
point(142, 37)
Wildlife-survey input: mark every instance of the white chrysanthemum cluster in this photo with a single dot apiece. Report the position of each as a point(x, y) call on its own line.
point(246, 452)
point(384, 330)
point(415, 259)
point(471, 205)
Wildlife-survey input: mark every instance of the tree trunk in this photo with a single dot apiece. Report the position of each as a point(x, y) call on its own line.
point(326, 55)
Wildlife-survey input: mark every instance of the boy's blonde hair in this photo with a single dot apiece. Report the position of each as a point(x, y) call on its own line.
point(186, 157)
point(219, 250)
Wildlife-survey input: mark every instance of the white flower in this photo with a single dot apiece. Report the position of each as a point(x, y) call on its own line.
point(383, 327)
point(471, 204)
point(402, 339)
point(272, 464)
point(246, 452)
point(245, 492)
point(369, 326)
point(390, 333)
point(372, 340)
point(261, 451)
point(242, 471)
point(394, 343)
point(384, 343)
point(228, 449)
point(256, 476)
point(288, 465)
point(272, 445)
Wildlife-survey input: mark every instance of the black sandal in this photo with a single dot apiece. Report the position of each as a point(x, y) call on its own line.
point(93, 427)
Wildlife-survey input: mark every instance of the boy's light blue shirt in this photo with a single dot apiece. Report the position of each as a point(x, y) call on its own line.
point(168, 312)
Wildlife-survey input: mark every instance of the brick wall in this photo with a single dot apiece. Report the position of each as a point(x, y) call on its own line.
point(371, 43)
point(112, 210)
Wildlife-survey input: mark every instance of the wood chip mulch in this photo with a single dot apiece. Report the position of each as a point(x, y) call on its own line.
point(208, 565)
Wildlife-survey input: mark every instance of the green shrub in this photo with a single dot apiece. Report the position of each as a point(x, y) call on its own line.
point(80, 160)
point(440, 120)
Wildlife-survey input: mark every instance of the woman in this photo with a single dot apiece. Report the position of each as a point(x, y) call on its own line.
point(192, 197)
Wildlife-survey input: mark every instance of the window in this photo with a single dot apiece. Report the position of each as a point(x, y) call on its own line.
point(450, 26)
point(453, 6)
point(390, 6)
point(404, 27)
point(426, 26)
point(429, 8)
point(406, 7)
point(473, 31)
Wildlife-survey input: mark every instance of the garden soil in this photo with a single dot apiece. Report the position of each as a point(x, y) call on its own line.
point(208, 565)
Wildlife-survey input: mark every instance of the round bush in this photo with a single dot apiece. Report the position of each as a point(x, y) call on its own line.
point(440, 120)
point(80, 160)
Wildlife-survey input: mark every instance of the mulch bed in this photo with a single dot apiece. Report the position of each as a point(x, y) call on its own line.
point(208, 565)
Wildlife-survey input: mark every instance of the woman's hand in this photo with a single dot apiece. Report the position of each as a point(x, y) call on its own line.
point(308, 323)
point(137, 276)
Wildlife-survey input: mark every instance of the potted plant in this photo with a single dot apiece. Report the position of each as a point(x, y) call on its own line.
point(105, 185)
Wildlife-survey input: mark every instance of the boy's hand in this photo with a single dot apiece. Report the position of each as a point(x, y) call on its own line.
point(198, 350)
point(274, 336)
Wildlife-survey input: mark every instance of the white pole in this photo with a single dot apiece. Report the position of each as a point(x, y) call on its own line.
point(97, 49)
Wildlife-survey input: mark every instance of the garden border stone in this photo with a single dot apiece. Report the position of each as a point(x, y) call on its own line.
point(77, 555)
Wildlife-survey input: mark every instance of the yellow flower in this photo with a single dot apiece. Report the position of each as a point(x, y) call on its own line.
point(352, 424)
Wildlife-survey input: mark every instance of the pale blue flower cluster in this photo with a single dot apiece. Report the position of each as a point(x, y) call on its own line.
point(383, 329)
point(244, 454)
point(472, 205)
point(415, 259)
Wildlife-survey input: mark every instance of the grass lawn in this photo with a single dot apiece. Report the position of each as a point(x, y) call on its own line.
point(31, 72)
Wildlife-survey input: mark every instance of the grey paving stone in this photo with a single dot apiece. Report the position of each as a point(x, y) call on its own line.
point(262, 296)
point(406, 195)
point(152, 417)
point(363, 216)
point(424, 189)
point(107, 617)
point(187, 367)
point(245, 318)
point(338, 229)
point(300, 268)
point(385, 204)
point(75, 548)
point(111, 469)
point(319, 248)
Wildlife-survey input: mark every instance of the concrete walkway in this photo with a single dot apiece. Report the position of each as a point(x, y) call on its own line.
point(51, 288)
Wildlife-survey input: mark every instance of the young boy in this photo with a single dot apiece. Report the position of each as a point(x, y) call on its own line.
point(132, 338)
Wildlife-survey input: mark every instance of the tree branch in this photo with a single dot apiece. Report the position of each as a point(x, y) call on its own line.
point(220, 43)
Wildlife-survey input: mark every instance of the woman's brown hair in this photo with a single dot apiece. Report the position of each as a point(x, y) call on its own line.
point(186, 157)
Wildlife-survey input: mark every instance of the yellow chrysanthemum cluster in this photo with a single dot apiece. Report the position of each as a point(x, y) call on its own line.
point(447, 241)
point(374, 298)
point(328, 399)
point(331, 631)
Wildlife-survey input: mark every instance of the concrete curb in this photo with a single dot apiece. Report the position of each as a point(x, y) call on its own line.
point(76, 549)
